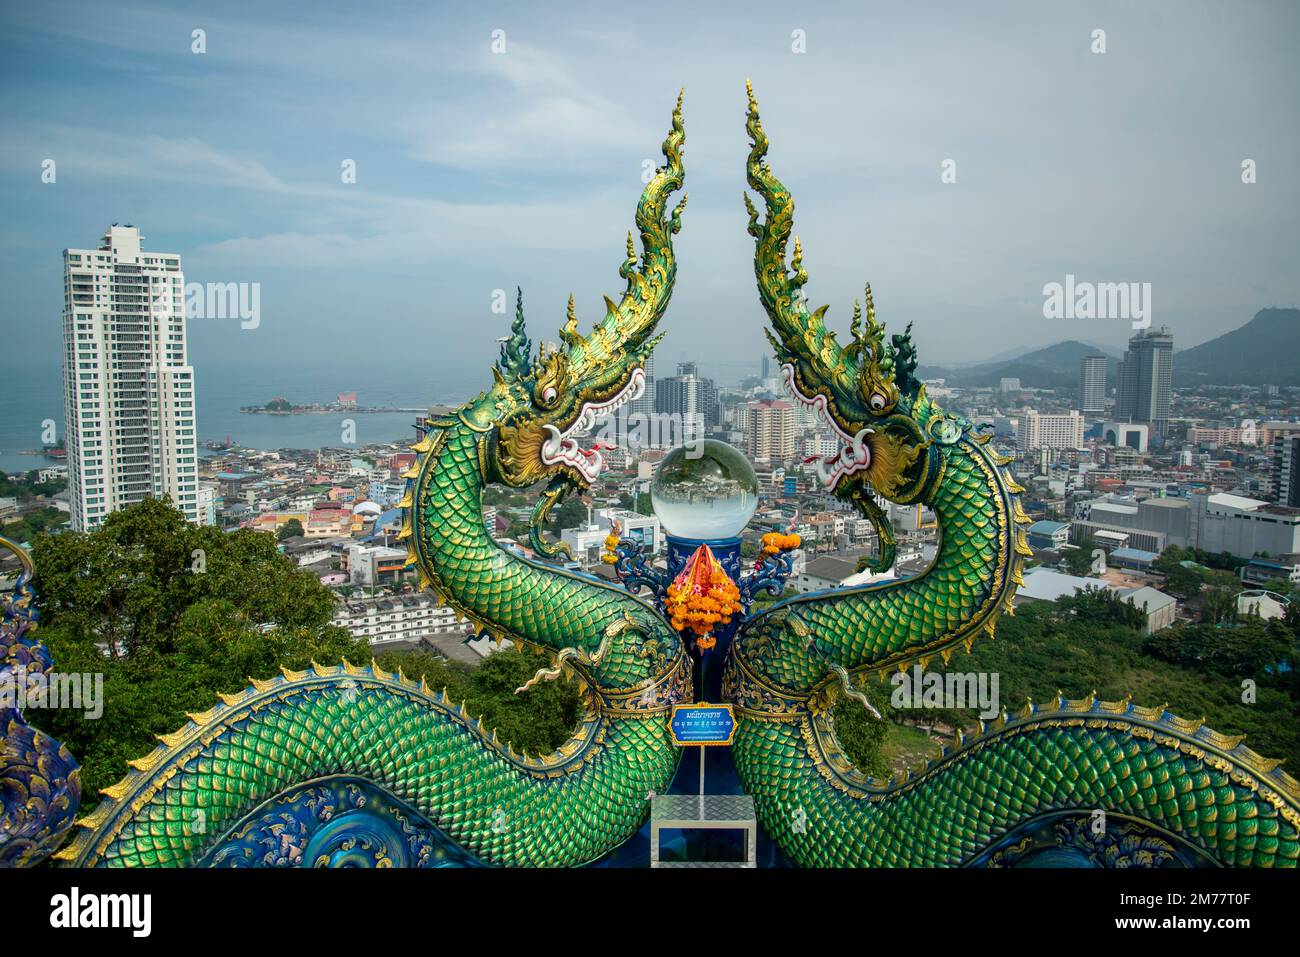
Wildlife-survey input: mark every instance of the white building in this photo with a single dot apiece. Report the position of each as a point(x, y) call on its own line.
point(373, 564)
point(1242, 526)
point(207, 503)
point(397, 618)
point(771, 430)
point(1050, 431)
point(1133, 435)
point(127, 386)
point(587, 541)
point(820, 444)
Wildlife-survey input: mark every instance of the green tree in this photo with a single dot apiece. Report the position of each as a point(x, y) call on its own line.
point(24, 488)
point(571, 513)
point(536, 721)
point(1183, 582)
point(1249, 649)
point(289, 529)
point(171, 614)
point(1078, 561)
point(34, 523)
point(1218, 605)
point(860, 733)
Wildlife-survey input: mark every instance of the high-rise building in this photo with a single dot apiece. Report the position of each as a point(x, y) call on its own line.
point(710, 404)
point(1050, 431)
point(1286, 469)
point(771, 430)
point(689, 396)
point(645, 405)
point(127, 387)
point(1146, 380)
point(1092, 385)
point(679, 396)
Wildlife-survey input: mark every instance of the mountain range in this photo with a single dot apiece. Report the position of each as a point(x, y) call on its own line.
point(1265, 350)
point(1052, 367)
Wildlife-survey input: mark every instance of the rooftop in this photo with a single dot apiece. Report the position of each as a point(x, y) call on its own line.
point(1045, 527)
point(831, 568)
point(1147, 598)
point(1134, 555)
point(1047, 585)
point(1228, 500)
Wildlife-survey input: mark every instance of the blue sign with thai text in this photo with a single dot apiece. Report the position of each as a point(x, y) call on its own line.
point(702, 724)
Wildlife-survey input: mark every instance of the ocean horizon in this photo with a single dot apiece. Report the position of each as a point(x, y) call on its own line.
point(34, 393)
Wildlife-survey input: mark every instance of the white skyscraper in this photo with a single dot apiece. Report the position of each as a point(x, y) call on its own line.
point(127, 388)
point(1050, 431)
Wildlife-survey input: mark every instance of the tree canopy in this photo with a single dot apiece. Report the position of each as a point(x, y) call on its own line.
point(172, 614)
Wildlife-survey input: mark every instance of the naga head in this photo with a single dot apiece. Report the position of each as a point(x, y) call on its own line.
point(540, 400)
point(867, 390)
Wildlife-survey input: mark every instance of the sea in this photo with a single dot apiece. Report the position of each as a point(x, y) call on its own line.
point(32, 392)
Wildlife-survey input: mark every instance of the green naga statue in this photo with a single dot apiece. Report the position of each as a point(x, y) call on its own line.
point(348, 765)
point(1099, 758)
point(271, 775)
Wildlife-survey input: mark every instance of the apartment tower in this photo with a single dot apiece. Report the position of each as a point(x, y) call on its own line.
point(1092, 385)
point(771, 430)
point(128, 389)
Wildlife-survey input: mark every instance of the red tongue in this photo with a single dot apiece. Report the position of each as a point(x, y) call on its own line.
point(811, 458)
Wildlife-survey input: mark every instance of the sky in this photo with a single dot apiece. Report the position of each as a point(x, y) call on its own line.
point(479, 170)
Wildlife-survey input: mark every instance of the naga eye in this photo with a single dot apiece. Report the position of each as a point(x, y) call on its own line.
point(877, 401)
point(549, 394)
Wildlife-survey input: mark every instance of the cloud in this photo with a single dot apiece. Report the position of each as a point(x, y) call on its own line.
point(93, 154)
point(478, 168)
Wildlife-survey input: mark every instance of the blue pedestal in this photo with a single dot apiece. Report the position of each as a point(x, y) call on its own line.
point(709, 666)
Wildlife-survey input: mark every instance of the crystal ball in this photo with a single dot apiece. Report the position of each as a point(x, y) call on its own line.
point(704, 490)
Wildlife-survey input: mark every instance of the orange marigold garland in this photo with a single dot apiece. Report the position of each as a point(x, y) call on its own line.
point(774, 543)
point(702, 597)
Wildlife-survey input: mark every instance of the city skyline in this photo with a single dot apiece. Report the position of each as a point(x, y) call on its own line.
point(464, 167)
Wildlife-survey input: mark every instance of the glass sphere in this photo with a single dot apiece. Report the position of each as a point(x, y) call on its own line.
point(704, 490)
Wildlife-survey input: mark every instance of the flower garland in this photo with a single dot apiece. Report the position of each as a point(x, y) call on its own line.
point(774, 543)
point(702, 597)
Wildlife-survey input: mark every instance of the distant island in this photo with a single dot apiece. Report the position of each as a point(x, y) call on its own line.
point(346, 402)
